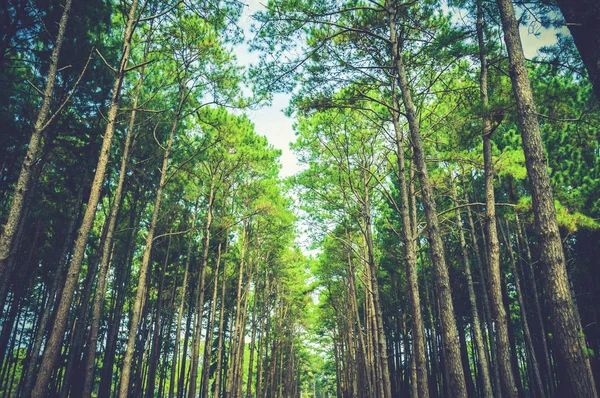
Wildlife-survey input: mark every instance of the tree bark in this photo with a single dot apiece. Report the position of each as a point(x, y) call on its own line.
point(484, 372)
point(53, 297)
point(532, 363)
point(181, 387)
point(229, 388)
point(420, 384)
point(509, 388)
point(140, 296)
point(210, 328)
point(200, 295)
point(567, 331)
point(218, 371)
point(121, 282)
point(54, 342)
point(10, 228)
point(108, 244)
point(451, 344)
point(491, 353)
point(531, 281)
point(157, 334)
point(181, 304)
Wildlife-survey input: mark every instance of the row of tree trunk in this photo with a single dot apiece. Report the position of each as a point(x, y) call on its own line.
point(496, 364)
point(182, 331)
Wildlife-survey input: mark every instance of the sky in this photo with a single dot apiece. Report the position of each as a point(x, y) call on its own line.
point(270, 120)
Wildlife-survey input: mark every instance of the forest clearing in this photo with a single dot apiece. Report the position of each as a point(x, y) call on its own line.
point(437, 237)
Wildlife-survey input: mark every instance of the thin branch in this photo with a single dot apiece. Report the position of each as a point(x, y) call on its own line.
point(156, 139)
point(70, 95)
point(139, 65)
point(105, 61)
point(473, 204)
point(174, 233)
point(34, 87)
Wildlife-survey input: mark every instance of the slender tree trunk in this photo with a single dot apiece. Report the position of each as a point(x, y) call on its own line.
point(509, 388)
point(54, 342)
point(18, 239)
point(531, 281)
point(512, 338)
point(465, 357)
point(263, 332)
point(362, 357)
point(450, 340)
point(107, 247)
point(181, 387)
point(9, 326)
point(567, 331)
point(121, 282)
point(491, 354)
point(420, 383)
point(164, 369)
point(476, 323)
point(10, 228)
point(538, 388)
point(252, 343)
point(211, 327)
point(338, 373)
point(200, 296)
point(229, 389)
point(363, 367)
point(378, 328)
point(181, 304)
point(222, 314)
point(17, 334)
point(140, 297)
point(80, 323)
point(369, 339)
point(157, 335)
point(435, 351)
point(54, 296)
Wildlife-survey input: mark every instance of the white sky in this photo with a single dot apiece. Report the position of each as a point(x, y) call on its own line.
point(271, 122)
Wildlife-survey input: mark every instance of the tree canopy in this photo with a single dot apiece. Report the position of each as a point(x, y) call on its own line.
point(439, 240)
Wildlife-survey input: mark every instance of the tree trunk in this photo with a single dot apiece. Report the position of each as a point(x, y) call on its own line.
point(229, 388)
point(210, 327)
point(451, 344)
point(35, 144)
point(465, 357)
point(491, 353)
point(54, 296)
point(157, 335)
point(379, 338)
point(484, 371)
point(181, 387)
point(54, 342)
point(420, 384)
point(200, 295)
point(107, 247)
point(582, 18)
point(567, 332)
point(538, 389)
point(218, 371)
point(531, 281)
point(509, 388)
point(121, 282)
point(252, 343)
point(140, 296)
point(181, 304)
